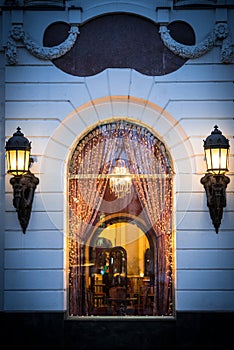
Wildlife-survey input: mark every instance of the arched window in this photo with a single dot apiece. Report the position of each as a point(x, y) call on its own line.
point(120, 223)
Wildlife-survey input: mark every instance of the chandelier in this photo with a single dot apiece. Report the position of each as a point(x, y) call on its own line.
point(120, 179)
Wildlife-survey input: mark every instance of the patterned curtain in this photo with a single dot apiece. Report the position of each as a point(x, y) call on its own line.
point(90, 165)
point(153, 183)
point(85, 196)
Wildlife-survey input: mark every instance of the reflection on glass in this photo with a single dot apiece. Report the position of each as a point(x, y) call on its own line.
point(120, 273)
point(121, 265)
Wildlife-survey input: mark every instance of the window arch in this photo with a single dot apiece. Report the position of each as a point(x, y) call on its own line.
point(97, 284)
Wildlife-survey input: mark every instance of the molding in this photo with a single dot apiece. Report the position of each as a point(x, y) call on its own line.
point(219, 33)
point(46, 53)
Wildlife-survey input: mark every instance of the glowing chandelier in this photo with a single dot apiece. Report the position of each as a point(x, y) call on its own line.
point(120, 179)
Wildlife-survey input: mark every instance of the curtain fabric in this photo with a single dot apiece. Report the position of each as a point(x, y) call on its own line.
point(91, 163)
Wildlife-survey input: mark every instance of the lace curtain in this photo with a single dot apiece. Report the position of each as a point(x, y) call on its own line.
point(90, 166)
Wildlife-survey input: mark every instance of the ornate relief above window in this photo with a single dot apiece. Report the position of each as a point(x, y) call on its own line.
point(46, 53)
point(138, 43)
point(220, 33)
point(120, 248)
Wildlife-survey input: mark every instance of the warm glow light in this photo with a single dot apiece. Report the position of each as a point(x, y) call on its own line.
point(216, 159)
point(216, 148)
point(18, 154)
point(17, 161)
point(120, 179)
point(23, 181)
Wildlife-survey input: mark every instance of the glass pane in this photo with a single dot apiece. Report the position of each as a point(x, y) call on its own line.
point(208, 159)
point(216, 159)
point(120, 246)
point(18, 161)
point(224, 158)
point(120, 272)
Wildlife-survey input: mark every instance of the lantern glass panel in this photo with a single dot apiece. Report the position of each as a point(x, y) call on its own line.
point(208, 159)
point(17, 162)
point(224, 159)
point(216, 159)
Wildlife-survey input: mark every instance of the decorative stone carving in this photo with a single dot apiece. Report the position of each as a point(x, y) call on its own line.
point(46, 53)
point(226, 53)
point(220, 33)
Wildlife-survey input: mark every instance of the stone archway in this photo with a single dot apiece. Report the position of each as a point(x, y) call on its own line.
point(84, 118)
point(59, 147)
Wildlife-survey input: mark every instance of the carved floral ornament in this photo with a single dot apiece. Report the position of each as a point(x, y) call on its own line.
point(219, 35)
point(46, 53)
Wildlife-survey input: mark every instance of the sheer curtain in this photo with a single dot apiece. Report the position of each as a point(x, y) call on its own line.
point(86, 192)
point(153, 183)
point(90, 165)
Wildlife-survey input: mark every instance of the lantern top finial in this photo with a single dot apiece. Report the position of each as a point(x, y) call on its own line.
point(216, 130)
point(216, 140)
point(18, 141)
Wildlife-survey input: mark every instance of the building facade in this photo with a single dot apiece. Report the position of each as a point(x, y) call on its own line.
point(77, 78)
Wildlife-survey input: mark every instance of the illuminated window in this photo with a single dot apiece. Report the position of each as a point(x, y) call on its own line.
point(120, 247)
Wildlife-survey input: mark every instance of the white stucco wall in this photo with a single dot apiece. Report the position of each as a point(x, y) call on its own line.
point(54, 109)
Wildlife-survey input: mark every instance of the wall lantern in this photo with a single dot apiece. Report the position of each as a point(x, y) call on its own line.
point(24, 182)
point(215, 182)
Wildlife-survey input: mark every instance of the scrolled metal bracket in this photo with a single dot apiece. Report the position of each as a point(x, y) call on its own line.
point(215, 187)
point(23, 193)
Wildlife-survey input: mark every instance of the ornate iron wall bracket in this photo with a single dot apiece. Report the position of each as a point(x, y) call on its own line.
point(23, 193)
point(215, 187)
